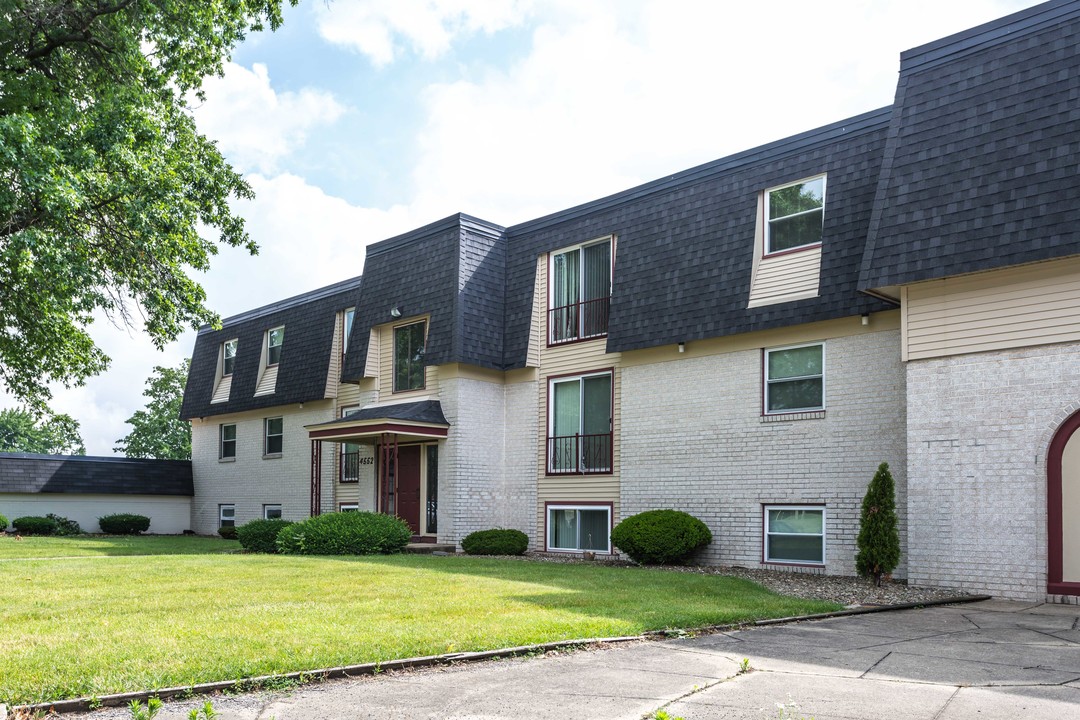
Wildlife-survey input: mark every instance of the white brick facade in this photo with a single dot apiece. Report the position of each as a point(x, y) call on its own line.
point(693, 439)
point(979, 427)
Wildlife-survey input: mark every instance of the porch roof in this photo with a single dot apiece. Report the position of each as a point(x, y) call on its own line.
point(422, 419)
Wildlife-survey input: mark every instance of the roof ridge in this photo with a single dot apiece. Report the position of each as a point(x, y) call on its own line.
point(290, 302)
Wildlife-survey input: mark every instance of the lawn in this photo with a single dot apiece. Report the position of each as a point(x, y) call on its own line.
point(91, 626)
point(102, 545)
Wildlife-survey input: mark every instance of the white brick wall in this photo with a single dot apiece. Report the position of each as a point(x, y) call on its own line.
point(693, 440)
point(251, 480)
point(979, 429)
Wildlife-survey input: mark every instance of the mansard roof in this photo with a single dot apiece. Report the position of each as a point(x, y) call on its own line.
point(309, 322)
point(980, 168)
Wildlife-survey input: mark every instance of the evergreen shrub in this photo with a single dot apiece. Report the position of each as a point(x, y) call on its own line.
point(124, 524)
point(3, 523)
point(261, 535)
point(497, 541)
point(64, 526)
point(879, 537)
point(227, 531)
point(33, 525)
point(659, 537)
point(345, 533)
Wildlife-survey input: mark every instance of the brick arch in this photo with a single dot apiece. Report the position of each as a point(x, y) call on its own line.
point(1062, 435)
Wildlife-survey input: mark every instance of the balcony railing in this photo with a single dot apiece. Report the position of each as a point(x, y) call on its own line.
point(578, 321)
point(350, 467)
point(579, 454)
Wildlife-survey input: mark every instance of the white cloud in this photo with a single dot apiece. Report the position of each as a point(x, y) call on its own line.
point(254, 125)
point(377, 28)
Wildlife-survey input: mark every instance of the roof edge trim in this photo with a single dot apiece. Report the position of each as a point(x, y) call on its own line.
point(287, 303)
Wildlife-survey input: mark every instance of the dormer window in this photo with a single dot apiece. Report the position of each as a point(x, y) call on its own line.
point(580, 292)
point(274, 339)
point(409, 356)
point(349, 314)
point(795, 214)
point(228, 357)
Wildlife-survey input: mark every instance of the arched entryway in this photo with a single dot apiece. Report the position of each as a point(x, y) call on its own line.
point(1063, 509)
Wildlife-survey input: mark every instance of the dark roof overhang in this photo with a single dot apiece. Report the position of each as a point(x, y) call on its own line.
point(422, 419)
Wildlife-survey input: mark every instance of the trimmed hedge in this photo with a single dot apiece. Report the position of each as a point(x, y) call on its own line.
point(261, 535)
point(33, 525)
point(3, 523)
point(227, 531)
point(497, 541)
point(657, 537)
point(124, 524)
point(345, 533)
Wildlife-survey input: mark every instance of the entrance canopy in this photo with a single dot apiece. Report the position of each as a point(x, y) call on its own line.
point(419, 420)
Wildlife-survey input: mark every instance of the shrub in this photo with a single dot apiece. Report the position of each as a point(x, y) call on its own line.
point(260, 535)
point(124, 524)
point(657, 537)
point(32, 525)
point(227, 531)
point(347, 533)
point(3, 523)
point(498, 541)
point(879, 539)
point(64, 526)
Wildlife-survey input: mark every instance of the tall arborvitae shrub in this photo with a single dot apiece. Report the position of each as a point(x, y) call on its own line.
point(879, 539)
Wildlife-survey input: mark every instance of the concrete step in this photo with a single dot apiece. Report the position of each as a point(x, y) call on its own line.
point(429, 548)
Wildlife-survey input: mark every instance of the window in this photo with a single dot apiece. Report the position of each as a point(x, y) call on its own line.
point(226, 515)
point(795, 213)
point(271, 512)
point(274, 339)
point(228, 441)
point(350, 455)
point(795, 534)
point(795, 379)
point(409, 357)
point(579, 424)
point(580, 293)
point(579, 528)
point(228, 357)
point(349, 314)
point(348, 507)
point(275, 429)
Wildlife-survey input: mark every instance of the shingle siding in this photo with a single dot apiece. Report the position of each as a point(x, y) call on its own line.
point(76, 474)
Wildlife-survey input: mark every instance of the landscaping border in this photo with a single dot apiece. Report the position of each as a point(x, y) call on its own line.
point(305, 676)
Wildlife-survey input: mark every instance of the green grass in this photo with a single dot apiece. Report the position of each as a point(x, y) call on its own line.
point(100, 545)
point(80, 627)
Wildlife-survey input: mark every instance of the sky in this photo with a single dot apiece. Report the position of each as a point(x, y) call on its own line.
point(362, 119)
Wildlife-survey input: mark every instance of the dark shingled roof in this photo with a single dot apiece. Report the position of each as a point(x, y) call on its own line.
point(27, 473)
point(981, 165)
point(305, 354)
point(423, 411)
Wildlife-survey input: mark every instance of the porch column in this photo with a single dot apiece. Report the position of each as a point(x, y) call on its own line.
point(316, 477)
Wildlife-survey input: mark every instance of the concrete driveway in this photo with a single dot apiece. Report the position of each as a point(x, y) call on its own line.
point(989, 660)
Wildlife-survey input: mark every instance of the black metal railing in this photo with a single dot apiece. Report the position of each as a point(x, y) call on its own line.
point(579, 454)
point(578, 321)
point(350, 467)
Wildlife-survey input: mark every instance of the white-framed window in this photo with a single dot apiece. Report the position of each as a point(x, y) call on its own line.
point(227, 447)
point(275, 338)
point(579, 436)
point(579, 527)
point(348, 507)
point(795, 215)
point(274, 431)
point(226, 515)
point(228, 356)
point(794, 378)
point(350, 313)
point(794, 534)
point(579, 292)
point(271, 512)
point(409, 356)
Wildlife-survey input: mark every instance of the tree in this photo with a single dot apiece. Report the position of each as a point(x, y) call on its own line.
point(879, 539)
point(23, 431)
point(106, 181)
point(158, 432)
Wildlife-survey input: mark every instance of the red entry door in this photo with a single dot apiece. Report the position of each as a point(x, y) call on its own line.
point(408, 486)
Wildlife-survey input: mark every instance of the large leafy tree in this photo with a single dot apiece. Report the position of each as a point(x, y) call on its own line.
point(157, 431)
point(105, 182)
point(52, 434)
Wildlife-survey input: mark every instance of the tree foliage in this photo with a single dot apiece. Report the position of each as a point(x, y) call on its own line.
point(879, 538)
point(106, 181)
point(23, 431)
point(157, 431)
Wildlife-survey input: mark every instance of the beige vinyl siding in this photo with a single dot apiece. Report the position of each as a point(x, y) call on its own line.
point(333, 372)
point(783, 278)
point(386, 365)
point(571, 359)
point(221, 392)
point(268, 381)
point(538, 329)
point(371, 362)
point(1012, 308)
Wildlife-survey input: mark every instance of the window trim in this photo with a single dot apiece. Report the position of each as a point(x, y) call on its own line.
point(581, 505)
point(610, 239)
point(766, 507)
point(221, 514)
point(767, 237)
point(552, 380)
point(765, 379)
point(235, 342)
point(266, 507)
point(269, 347)
point(267, 436)
point(221, 442)
point(348, 507)
point(393, 357)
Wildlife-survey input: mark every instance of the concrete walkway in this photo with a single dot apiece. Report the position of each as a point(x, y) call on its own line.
point(988, 660)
